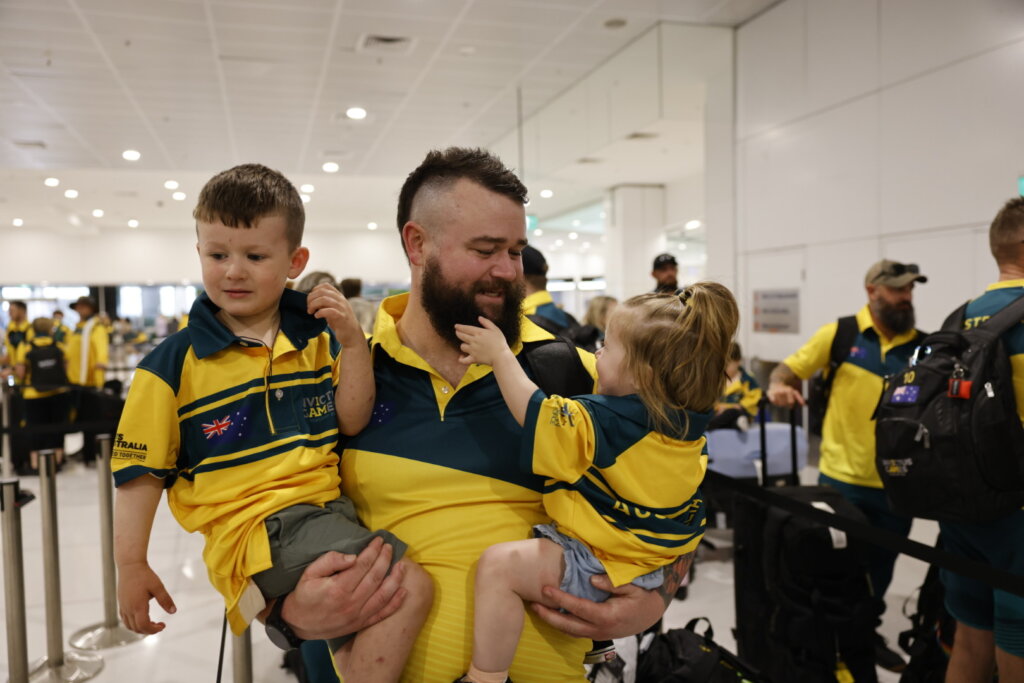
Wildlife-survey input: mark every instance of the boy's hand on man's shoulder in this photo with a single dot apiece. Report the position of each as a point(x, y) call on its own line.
point(327, 303)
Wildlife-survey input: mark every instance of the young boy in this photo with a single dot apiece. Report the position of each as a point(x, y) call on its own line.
point(238, 417)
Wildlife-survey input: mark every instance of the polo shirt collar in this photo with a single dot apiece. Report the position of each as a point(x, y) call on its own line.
point(536, 299)
point(1005, 284)
point(210, 335)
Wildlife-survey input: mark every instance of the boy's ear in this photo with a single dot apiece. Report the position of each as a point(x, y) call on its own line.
point(300, 257)
point(414, 237)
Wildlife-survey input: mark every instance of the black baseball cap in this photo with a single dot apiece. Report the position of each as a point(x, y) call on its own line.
point(662, 260)
point(534, 262)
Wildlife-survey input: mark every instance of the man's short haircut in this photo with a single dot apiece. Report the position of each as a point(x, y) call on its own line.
point(351, 287)
point(17, 304)
point(1006, 235)
point(240, 196)
point(442, 168)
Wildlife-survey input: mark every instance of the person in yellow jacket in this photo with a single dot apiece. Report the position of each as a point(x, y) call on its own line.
point(737, 406)
point(87, 350)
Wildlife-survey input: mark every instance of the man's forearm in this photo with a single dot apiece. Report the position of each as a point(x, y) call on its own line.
point(782, 374)
point(674, 575)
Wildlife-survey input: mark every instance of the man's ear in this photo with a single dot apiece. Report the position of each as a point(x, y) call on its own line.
point(300, 257)
point(415, 238)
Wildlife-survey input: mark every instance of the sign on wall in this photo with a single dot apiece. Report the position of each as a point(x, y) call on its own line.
point(777, 310)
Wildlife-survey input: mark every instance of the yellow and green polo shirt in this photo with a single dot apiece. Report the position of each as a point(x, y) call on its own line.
point(540, 303)
point(237, 431)
point(60, 333)
point(848, 435)
point(998, 296)
point(87, 346)
point(742, 391)
point(628, 493)
point(16, 335)
point(439, 467)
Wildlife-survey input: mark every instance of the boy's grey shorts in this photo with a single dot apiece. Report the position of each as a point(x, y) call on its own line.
point(580, 565)
point(301, 533)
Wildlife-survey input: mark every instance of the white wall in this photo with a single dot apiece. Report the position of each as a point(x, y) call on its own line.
point(169, 256)
point(870, 129)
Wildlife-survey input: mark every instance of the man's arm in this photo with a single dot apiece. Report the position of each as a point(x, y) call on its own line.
point(628, 611)
point(783, 387)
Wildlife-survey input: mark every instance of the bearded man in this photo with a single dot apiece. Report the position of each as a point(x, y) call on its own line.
point(439, 465)
point(884, 343)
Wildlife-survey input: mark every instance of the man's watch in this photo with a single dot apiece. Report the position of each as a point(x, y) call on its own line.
point(279, 632)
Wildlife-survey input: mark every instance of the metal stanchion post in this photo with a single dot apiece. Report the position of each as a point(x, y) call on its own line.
point(7, 463)
point(57, 665)
point(110, 632)
point(14, 583)
point(241, 657)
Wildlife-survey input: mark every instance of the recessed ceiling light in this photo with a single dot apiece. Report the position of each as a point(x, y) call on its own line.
point(538, 232)
point(573, 235)
point(131, 155)
point(70, 194)
point(132, 223)
point(693, 225)
point(305, 198)
point(559, 243)
point(330, 167)
point(576, 222)
point(17, 222)
point(51, 182)
point(171, 184)
point(356, 113)
point(307, 188)
point(546, 194)
point(97, 213)
point(371, 226)
point(178, 196)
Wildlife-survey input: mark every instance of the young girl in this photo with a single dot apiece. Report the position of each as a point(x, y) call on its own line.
point(623, 465)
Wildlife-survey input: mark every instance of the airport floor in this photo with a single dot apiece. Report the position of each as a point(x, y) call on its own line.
point(187, 650)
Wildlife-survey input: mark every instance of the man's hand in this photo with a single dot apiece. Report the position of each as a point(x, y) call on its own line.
point(784, 395)
point(341, 594)
point(136, 585)
point(326, 302)
point(484, 344)
point(628, 611)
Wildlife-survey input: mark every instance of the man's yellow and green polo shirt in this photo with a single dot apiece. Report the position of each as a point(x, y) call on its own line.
point(848, 435)
point(540, 303)
point(743, 391)
point(998, 296)
point(16, 336)
point(237, 431)
point(439, 467)
point(628, 493)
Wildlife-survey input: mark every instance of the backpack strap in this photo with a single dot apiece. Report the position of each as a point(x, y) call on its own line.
point(847, 330)
point(1005, 318)
point(557, 368)
point(546, 324)
point(954, 322)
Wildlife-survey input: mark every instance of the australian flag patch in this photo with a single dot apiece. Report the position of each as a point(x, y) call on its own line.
point(905, 393)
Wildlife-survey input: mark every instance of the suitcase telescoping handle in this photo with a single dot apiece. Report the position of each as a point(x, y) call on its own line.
point(794, 475)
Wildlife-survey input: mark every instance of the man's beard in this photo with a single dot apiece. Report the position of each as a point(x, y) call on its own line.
point(898, 318)
point(447, 305)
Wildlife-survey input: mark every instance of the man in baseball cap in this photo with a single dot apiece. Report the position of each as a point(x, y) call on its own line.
point(665, 272)
point(857, 352)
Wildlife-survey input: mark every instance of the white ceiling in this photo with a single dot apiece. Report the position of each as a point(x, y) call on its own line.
point(199, 85)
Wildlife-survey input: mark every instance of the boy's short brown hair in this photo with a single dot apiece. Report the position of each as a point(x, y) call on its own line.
point(240, 196)
point(42, 327)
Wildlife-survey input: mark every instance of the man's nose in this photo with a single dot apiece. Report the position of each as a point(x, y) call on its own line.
point(505, 267)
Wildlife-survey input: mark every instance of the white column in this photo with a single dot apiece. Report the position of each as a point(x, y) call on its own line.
point(635, 235)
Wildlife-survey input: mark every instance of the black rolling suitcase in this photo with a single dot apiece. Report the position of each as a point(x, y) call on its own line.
point(804, 607)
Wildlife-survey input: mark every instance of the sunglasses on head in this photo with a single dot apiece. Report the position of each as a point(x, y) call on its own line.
point(897, 269)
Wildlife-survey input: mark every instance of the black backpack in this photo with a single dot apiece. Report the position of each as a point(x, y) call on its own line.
point(950, 445)
point(931, 631)
point(46, 367)
point(819, 389)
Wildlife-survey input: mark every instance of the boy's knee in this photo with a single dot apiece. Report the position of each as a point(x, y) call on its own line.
point(419, 584)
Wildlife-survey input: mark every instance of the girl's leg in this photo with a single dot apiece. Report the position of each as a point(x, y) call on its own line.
point(507, 574)
point(377, 654)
